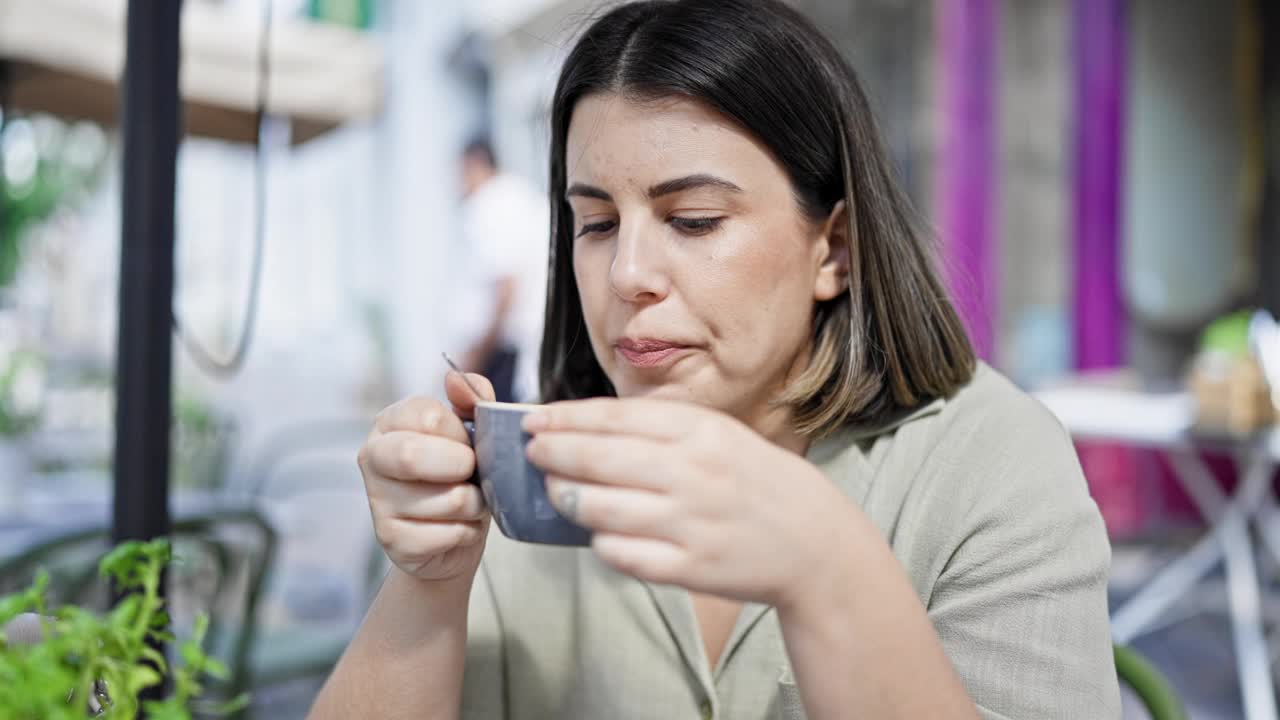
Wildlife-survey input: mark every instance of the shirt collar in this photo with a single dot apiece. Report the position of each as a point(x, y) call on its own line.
point(855, 431)
point(841, 455)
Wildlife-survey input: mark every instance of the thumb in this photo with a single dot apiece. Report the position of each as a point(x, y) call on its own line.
point(462, 397)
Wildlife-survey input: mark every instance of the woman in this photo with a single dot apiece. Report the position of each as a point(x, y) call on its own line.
point(808, 499)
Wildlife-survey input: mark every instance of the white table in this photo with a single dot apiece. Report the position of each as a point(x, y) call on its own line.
point(1164, 422)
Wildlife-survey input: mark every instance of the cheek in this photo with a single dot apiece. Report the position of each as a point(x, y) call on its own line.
point(766, 283)
point(761, 300)
point(591, 271)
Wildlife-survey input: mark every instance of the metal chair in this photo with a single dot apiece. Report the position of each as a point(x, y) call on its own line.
point(294, 470)
point(1149, 684)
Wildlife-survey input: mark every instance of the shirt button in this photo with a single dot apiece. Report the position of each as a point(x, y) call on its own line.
point(706, 709)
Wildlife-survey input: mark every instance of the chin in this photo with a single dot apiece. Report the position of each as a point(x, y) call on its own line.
point(685, 384)
point(681, 392)
point(662, 392)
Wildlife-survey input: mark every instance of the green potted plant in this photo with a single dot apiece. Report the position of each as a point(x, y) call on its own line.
point(90, 665)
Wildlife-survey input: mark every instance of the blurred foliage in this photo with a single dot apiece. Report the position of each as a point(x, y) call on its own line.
point(22, 388)
point(201, 442)
point(45, 164)
point(1228, 334)
point(352, 13)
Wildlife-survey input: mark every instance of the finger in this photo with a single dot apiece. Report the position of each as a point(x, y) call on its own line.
point(612, 509)
point(420, 501)
point(464, 399)
point(648, 559)
point(610, 459)
point(657, 419)
point(421, 415)
point(413, 456)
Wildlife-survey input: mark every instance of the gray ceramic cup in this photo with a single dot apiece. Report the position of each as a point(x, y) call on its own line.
point(514, 488)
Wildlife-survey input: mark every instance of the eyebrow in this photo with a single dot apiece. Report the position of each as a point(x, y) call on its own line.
point(689, 182)
point(667, 187)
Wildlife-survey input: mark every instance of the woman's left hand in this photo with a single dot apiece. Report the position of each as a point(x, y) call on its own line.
point(685, 495)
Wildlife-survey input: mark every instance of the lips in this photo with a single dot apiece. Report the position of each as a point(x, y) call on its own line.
point(649, 352)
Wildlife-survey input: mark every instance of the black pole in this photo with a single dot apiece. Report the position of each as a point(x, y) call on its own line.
point(1269, 265)
point(150, 129)
point(6, 116)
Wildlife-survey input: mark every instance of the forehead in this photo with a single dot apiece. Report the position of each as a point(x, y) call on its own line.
point(618, 140)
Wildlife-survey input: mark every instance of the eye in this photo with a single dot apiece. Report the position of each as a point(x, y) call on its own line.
point(695, 226)
point(597, 228)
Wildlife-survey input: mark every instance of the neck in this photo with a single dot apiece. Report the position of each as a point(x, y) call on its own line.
point(779, 429)
point(776, 423)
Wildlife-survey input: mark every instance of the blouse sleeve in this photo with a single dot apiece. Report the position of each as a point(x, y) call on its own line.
point(1020, 602)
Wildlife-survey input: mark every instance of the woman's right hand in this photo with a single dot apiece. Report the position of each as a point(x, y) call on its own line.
point(416, 464)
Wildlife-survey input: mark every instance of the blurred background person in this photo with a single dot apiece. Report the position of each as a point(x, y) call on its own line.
point(504, 225)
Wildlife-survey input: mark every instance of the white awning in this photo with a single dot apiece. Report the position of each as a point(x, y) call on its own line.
point(67, 56)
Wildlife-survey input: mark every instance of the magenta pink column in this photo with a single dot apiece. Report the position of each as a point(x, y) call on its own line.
point(1098, 49)
point(1098, 89)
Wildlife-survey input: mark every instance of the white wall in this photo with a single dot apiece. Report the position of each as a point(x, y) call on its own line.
point(422, 130)
point(527, 60)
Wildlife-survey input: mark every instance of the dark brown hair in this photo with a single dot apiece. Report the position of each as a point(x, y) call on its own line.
point(890, 343)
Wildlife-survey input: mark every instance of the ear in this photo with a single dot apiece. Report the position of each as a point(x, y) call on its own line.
point(832, 254)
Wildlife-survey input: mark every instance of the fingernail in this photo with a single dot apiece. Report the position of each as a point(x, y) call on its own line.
point(534, 422)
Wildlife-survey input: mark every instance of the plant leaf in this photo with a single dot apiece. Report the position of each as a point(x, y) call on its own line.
point(151, 654)
point(142, 677)
point(216, 668)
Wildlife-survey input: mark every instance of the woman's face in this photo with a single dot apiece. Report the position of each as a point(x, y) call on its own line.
point(697, 271)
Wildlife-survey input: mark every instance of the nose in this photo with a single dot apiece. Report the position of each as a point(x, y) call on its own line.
point(638, 273)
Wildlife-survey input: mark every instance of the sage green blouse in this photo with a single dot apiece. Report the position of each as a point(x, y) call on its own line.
point(981, 499)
